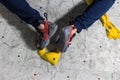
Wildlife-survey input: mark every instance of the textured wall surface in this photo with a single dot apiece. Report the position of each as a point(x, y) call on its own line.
point(90, 57)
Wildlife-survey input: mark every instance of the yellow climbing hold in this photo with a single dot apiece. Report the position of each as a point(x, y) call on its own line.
point(111, 31)
point(51, 57)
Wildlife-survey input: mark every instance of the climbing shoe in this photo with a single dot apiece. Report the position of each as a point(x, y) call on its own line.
point(64, 38)
point(45, 34)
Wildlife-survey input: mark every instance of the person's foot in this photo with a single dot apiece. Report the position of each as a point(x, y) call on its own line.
point(45, 32)
point(66, 35)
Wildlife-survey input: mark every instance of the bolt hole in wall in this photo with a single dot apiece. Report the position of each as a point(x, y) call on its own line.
point(100, 46)
point(98, 78)
point(35, 74)
point(2, 36)
point(118, 1)
point(18, 55)
point(68, 76)
point(113, 63)
point(84, 61)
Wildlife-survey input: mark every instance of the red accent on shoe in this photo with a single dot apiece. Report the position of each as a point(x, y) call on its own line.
point(70, 35)
point(45, 31)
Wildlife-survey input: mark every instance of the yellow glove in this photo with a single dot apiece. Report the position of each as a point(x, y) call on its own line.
point(51, 57)
point(111, 31)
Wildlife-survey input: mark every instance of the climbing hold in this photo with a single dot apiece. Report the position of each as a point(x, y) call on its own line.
point(111, 31)
point(51, 57)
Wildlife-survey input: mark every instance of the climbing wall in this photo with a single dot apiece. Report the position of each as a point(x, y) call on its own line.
point(91, 55)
